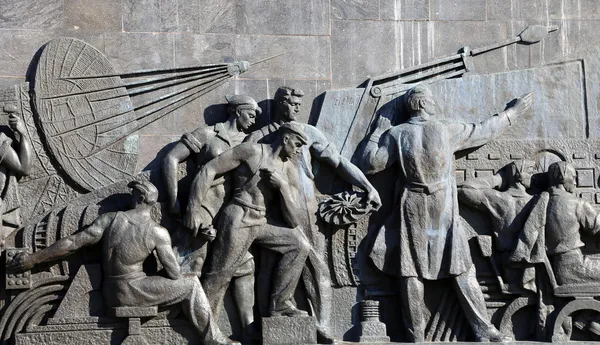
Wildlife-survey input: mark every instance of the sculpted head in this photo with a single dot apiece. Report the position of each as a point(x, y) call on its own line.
point(292, 139)
point(144, 192)
point(420, 98)
point(245, 109)
point(288, 101)
point(520, 172)
point(562, 173)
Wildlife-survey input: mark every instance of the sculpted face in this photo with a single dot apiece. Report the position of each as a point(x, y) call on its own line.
point(289, 108)
point(569, 179)
point(524, 175)
point(428, 104)
point(292, 145)
point(245, 118)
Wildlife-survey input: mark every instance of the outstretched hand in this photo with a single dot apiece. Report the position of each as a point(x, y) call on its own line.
point(522, 104)
point(374, 199)
point(20, 262)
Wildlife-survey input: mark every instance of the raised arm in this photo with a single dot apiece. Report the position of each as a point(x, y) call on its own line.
point(225, 162)
point(165, 253)
point(471, 135)
point(179, 153)
point(19, 163)
point(63, 247)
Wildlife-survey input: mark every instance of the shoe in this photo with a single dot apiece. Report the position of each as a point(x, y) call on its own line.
point(290, 311)
point(225, 341)
point(323, 337)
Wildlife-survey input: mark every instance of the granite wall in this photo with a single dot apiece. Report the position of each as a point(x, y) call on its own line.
point(329, 44)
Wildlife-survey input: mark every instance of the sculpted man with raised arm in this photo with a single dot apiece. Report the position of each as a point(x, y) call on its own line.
point(12, 163)
point(316, 275)
point(265, 179)
point(128, 239)
point(433, 245)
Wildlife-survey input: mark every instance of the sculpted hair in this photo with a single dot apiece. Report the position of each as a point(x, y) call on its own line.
point(415, 95)
point(285, 92)
point(147, 189)
point(557, 172)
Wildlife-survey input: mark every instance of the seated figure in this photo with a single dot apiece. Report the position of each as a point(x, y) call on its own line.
point(128, 238)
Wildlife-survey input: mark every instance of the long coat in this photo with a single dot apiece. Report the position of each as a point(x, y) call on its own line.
point(428, 237)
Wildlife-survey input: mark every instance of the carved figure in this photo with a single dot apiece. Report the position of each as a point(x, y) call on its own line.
point(432, 244)
point(504, 197)
point(316, 274)
point(563, 217)
point(128, 238)
point(262, 174)
point(200, 146)
point(12, 163)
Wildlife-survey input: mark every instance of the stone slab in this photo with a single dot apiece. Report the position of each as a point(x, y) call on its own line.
point(283, 330)
point(354, 9)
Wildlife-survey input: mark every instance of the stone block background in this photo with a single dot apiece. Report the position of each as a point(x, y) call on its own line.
point(329, 44)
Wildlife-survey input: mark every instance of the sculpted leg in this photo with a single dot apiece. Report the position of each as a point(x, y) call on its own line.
point(412, 293)
point(473, 304)
point(294, 248)
point(243, 291)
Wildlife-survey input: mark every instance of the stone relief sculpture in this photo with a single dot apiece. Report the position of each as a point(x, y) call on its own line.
point(505, 198)
point(432, 243)
point(248, 222)
point(12, 163)
point(262, 172)
point(128, 238)
point(199, 147)
point(315, 276)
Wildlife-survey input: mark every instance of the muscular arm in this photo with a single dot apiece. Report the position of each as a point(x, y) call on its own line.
point(19, 163)
point(165, 252)
point(225, 162)
point(179, 153)
point(68, 245)
point(380, 153)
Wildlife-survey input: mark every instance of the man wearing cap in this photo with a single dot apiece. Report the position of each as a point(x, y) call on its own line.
point(316, 276)
point(202, 145)
point(432, 244)
point(265, 181)
point(128, 239)
point(504, 197)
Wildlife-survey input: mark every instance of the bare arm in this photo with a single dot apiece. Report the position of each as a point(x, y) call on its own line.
point(225, 162)
point(65, 246)
point(165, 253)
point(20, 162)
point(179, 153)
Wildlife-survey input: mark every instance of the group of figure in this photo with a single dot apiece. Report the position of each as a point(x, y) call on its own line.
point(249, 190)
point(255, 189)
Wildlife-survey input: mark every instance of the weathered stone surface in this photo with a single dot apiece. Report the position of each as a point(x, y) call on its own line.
point(458, 10)
point(354, 9)
point(31, 14)
point(357, 51)
point(305, 56)
point(105, 15)
point(286, 17)
point(298, 331)
point(138, 51)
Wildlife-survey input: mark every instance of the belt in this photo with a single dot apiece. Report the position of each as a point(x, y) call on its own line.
point(427, 188)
